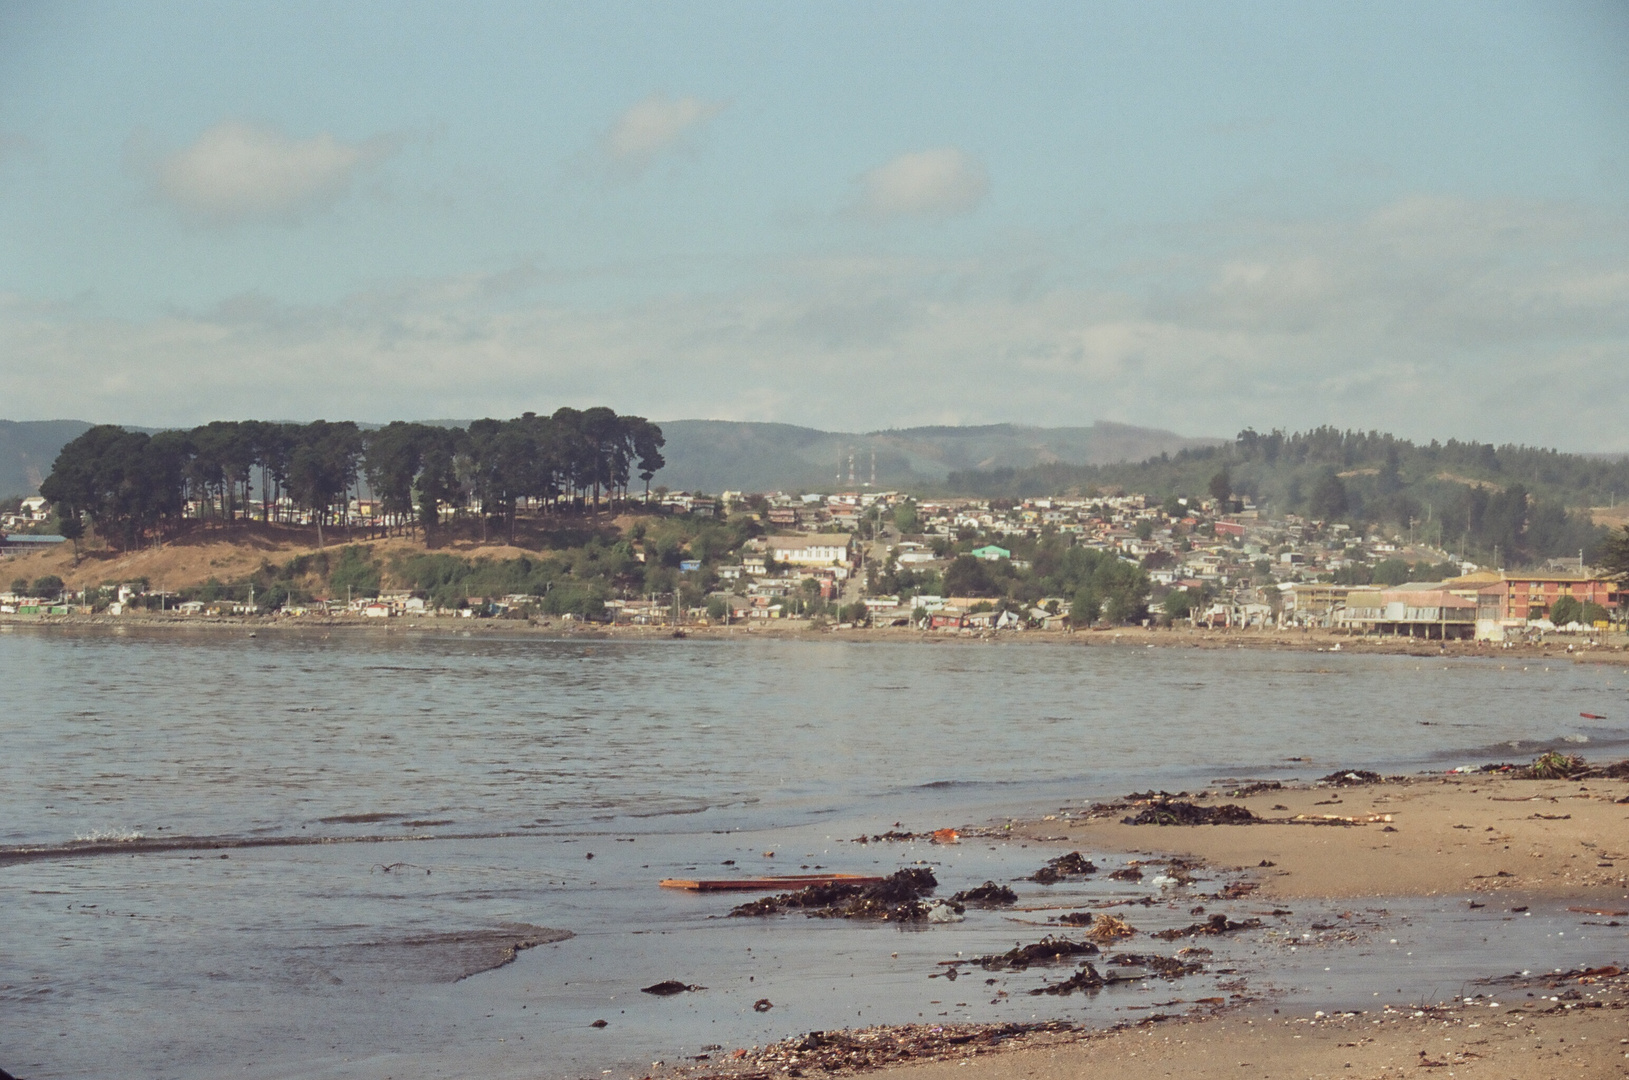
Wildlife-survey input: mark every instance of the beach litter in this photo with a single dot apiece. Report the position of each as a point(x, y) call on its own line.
point(1253, 787)
point(1351, 778)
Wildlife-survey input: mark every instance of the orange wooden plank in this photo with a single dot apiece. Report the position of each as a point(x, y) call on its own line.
point(787, 881)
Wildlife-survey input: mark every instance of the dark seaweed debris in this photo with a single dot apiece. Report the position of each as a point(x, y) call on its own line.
point(1254, 787)
point(1186, 813)
point(989, 893)
point(1044, 951)
point(1077, 918)
point(896, 898)
point(1129, 873)
point(1073, 864)
point(1166, 967)
point(669, 987)
point(827, 1052)
point(1086, 978)
point(1216, 924)
point(1351, 778)
point(1554, 765)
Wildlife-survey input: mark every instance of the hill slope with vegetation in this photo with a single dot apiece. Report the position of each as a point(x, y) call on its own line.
point(1507, 505)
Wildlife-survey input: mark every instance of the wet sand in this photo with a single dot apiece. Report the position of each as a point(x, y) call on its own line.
point(1526, 1037)
point(1494, 839)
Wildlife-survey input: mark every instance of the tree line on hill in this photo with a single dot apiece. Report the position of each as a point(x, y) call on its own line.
point(1516, 505)
point(133, 487)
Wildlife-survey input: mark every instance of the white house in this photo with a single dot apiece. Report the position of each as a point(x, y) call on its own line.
point(812, 549)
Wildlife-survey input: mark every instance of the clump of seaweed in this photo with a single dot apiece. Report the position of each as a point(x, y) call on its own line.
point(1166, 967)
point(989, 894)
point(1186, 813)
point(1086, 978)
point(1107, 928)
point(1040, 952)
point(1554, 765)
point(1071, 865)
point(896, 898)
point(1216, 924)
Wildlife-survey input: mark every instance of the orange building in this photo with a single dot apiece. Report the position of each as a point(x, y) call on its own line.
point(1527, 597)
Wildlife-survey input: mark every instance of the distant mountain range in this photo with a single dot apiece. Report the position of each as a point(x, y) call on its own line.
point(27, 449)
point(720, 455)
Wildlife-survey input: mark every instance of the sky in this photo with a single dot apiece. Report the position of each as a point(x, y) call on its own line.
point(1411, 217)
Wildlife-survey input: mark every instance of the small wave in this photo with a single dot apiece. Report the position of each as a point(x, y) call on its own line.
point(109, 836)
point(952, 785)
point(359, 819)
point(81, 847)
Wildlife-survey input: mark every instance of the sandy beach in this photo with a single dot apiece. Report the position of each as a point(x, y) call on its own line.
point(1498, 841)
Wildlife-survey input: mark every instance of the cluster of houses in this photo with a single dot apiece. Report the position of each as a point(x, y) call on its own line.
point(1251, 571)
point(1484, 605)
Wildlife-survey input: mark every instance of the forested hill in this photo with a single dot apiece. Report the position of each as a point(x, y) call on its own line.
point(721, 455)
point(1526, 502)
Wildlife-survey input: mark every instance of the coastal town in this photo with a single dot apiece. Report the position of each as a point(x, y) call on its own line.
point(862, 559)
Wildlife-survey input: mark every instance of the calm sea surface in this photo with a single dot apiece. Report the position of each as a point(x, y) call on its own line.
point(464, 781)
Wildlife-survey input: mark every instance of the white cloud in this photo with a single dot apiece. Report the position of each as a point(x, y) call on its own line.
point(237, 171)
point(655, 125)
point(1496, 321)
point(944, 182)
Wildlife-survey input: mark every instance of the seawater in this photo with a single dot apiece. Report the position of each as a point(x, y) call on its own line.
point(464, 779)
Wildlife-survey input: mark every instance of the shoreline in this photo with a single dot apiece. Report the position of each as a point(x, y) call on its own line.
point(1429, 837)
point(1423, 835)
point(1528, 1027)
point(1612, 651)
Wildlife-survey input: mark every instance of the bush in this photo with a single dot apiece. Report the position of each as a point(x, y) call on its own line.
point(48, 587)
point(356, 573)
point(1566, 610)
point(1178, 604)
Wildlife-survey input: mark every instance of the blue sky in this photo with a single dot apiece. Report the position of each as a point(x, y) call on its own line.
point(1405, 216)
